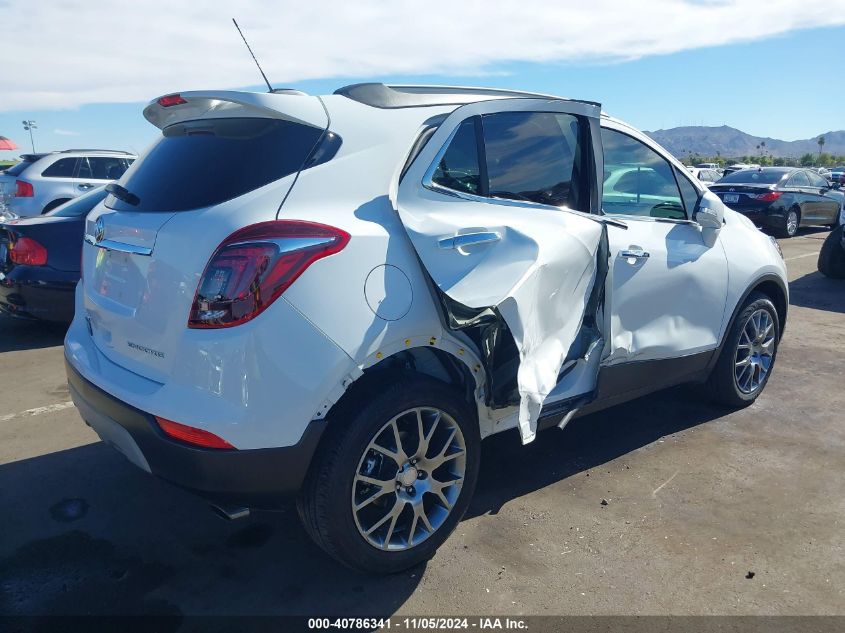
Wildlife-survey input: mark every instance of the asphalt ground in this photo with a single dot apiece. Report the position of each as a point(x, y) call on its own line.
point(666, 505)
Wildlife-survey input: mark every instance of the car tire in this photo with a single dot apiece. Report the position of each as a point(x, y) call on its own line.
point(790, 224)
point(53, 205)
point(730, 382)
point(333, 491)
point(832, 255)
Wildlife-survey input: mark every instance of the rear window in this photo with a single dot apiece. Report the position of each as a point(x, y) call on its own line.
point(202, 163)
point(15, 170)
point(748, 176)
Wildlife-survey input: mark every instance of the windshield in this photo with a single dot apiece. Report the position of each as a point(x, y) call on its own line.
point(205, 162)
point(81, 205)
point(755, 176)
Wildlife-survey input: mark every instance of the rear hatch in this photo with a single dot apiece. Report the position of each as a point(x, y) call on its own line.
point(10, 175)
point(224, 160)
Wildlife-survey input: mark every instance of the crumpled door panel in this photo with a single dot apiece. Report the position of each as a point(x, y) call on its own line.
point(538, 279)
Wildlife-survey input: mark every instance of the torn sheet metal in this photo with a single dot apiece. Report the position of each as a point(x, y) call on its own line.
point(538, 276)
point(545, 312)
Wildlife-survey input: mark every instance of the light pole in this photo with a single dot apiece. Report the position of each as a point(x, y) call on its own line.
point(29, 126)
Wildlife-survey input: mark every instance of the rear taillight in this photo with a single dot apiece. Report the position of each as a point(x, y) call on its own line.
point(24, 189)
point(27, 251)
point(769, 196)
point(191, 435)
point(171, 100)
point(255, 265)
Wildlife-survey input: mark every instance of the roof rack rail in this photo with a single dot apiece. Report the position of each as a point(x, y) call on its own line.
point(380, 95)
point(288, 91)
point(104, 151)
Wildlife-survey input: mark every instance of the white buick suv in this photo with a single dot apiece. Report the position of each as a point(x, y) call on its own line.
point(339, 297)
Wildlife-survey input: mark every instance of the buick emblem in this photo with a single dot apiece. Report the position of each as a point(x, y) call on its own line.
point(99, 230)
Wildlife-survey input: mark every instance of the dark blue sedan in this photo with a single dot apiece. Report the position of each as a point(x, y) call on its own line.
point(39, 260)
point(781, 198)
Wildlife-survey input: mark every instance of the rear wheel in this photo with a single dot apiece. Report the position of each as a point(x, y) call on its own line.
point(748, 356)
point(791, 222)
point(832, 255)
point(394, 478)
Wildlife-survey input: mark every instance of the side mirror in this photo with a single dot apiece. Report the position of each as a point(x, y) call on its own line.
point(710, 211)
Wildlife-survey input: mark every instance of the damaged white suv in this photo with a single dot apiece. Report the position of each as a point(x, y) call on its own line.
point(338, 297)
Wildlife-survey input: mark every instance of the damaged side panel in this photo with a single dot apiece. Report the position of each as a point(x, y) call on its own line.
point(524, 280)
point(543, 343)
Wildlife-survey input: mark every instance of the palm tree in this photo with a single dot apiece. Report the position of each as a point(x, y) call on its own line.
point(820, 141)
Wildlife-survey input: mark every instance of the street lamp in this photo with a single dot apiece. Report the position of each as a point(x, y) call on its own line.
point(29, 126)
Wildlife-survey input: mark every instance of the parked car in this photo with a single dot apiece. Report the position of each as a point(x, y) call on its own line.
point(781, 199)
point(706, 176)
point(734, 168)
point(837, 174)
point(716, 167)
point(39, 260)
point(825, 173)
point(374, 280)
point(41, 182)
point(9, 174)
point(831, 261)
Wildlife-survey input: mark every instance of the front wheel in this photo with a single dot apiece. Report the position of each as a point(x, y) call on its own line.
point(748, 356)
point(394, 477)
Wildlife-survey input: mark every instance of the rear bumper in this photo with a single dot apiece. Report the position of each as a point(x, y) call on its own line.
point(38, 293)
point(770, 218)
point(258, 477)
point(25, 207)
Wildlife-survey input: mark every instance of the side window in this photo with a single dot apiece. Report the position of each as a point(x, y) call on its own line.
point(459, 167)
point(62, 168)
point(84, 169)
point(637, 180)
point(816, 180)
point(105, 168)
point(799, 179)
point(534, 156)
point(689, 193)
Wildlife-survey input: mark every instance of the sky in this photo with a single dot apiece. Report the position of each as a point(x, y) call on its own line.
point(770, 68)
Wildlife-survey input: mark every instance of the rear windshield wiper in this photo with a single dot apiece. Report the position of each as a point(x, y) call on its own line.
point(122, 193)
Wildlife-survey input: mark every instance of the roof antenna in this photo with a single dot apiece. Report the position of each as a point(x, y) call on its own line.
point(269, 87)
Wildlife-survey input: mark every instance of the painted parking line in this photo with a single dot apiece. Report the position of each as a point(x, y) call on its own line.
point(50, 408)
point(789, 259)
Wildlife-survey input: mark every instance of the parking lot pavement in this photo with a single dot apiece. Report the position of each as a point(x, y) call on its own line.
point(707, 511)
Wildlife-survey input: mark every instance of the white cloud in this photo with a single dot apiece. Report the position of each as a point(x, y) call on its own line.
point(65, 132)
point(78, 52)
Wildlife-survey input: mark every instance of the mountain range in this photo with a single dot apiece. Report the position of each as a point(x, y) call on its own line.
point(730, 142)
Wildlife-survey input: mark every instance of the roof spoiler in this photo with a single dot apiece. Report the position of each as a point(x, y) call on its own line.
point(186, 106)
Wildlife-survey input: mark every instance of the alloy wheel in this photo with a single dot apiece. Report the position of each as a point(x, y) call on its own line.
point(409, 479)
point(755, 352)
point(792, 223)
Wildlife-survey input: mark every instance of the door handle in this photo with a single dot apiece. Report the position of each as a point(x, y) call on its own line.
point(86, 185)
point(636, 253)
point(469, 239)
